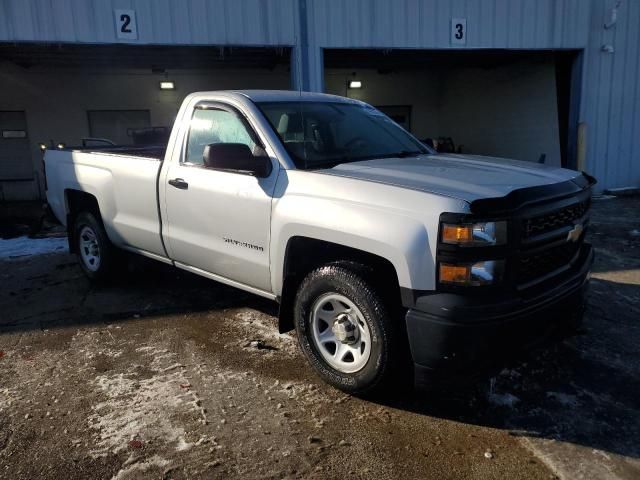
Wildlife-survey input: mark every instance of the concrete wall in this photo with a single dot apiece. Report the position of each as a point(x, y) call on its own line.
point(508, 111)
point(56, 101)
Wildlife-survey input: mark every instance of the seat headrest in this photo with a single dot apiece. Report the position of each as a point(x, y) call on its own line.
point(290, 123)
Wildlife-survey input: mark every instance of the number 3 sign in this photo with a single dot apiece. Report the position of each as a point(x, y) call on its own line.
point(458, 31)
point(126, 27)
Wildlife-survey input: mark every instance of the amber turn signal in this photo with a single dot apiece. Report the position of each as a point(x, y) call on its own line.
point(457, 233)
point(455, 273)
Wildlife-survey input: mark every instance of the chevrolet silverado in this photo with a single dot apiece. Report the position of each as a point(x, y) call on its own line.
point(384, 256)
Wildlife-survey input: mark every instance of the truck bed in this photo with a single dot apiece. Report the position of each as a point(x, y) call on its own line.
point(122, 180)
point(155, 152)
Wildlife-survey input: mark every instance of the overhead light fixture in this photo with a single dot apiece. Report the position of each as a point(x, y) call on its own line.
point(355, 84)
point(61, 146)
point(42, 146)
point(167, 85)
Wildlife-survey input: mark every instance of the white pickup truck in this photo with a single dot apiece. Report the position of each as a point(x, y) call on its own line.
point(382, 254)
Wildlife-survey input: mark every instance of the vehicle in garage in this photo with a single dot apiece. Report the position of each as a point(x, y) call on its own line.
point(378, 249)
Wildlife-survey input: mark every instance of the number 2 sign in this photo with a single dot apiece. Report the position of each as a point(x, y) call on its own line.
point(126, 27)
point(458, 31)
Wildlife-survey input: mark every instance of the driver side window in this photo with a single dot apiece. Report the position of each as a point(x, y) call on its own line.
point(214, 126)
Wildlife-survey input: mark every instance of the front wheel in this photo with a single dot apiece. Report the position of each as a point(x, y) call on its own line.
point(96, 254)
point(345, 330)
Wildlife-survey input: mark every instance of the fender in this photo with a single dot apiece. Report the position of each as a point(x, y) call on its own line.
point(379, 224)
point(97, 182)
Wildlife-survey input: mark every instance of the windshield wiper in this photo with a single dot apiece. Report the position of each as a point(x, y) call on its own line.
point(406, 153)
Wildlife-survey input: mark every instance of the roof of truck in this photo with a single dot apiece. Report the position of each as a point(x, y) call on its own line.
point(290, 96)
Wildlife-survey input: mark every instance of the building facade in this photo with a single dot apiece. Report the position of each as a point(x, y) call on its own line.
point(553, 81)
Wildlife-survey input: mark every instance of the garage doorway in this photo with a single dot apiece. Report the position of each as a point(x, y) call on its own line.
point(503, 103)
point(123, 93)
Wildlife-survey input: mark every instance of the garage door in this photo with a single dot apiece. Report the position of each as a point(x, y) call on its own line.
point(15, 157)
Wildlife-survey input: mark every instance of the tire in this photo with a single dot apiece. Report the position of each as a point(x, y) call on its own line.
point(326, 295)
point(96, 254)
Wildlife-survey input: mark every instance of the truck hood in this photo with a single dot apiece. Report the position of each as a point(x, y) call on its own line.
point(465, 177)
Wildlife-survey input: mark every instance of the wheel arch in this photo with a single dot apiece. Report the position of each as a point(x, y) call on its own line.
point(76, 202)
point(304, 254)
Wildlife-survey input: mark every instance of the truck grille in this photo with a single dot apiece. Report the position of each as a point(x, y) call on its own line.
point(559, 218)
point(545, 248)
point(538, 265)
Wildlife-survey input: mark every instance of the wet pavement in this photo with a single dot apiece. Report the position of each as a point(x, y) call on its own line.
point(168, 375)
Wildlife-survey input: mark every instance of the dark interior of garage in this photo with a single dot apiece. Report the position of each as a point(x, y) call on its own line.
point(54, 94)
point(504, 103)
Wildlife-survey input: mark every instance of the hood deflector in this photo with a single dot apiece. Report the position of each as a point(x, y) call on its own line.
point(525, 196)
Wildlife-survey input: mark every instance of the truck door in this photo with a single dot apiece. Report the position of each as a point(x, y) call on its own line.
point(219, 220)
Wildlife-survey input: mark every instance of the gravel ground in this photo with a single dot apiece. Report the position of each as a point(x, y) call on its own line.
point(167, 375)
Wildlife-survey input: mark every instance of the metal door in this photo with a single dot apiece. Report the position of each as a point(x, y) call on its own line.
point(15, 156)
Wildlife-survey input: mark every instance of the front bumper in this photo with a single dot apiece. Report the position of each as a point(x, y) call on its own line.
point(453, 337)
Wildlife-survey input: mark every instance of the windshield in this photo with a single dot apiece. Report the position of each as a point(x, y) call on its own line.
point(324, 134)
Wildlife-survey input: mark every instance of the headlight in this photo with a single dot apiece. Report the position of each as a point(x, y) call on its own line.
point(472, 274)
point(475, 234)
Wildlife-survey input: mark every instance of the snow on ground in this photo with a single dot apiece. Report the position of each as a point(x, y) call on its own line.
point(564, 399)
point(260, 325)
point(503, 399)
point(15, 248)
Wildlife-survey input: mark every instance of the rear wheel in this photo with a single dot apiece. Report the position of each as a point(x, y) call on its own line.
point(96, 253)
point(345, 330)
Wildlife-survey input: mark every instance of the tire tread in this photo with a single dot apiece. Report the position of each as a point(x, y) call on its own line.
point(354, 276)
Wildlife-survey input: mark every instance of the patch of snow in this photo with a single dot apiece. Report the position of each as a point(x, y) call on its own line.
point(133, 470)
point(92, 353)
point(20, 247)
point(601, 453)
point(564, 399)
point(160, 356)
point(142, 408)
point(183, 445)
point(510, 373)
point(7, 397)
point(635, 233)
point(503, 399)
point(259, 324)
point(136, 408)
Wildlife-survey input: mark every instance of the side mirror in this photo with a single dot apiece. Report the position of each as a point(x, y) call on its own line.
point(236, 157)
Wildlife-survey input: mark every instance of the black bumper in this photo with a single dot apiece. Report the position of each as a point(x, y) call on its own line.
point(453, 337)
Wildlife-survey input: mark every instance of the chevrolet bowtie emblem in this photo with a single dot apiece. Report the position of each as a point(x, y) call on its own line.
point(575, 233)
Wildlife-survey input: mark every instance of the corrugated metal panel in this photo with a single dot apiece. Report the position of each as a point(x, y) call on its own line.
point(611, 97)
point(184, 22)
point(520, 24)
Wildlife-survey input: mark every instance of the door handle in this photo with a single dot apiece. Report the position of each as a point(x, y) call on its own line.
point(179, 183)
